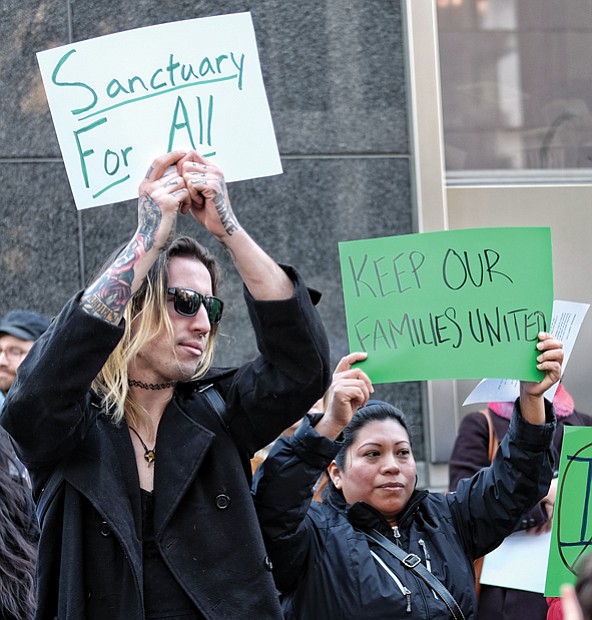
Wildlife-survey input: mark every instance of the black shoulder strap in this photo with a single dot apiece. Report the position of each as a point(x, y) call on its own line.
point(48, 492)
point(413, 563)
point(216, 402)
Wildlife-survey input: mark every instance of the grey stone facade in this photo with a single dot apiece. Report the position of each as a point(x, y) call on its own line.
point(336, 82)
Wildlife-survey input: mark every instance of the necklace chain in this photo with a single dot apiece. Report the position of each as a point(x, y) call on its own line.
point(150, 386)
point(149, 454)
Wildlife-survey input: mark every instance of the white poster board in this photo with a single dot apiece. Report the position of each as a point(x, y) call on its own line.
point(520, 562)
point(121, 100)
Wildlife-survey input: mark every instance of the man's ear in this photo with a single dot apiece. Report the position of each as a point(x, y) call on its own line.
point(335, 474)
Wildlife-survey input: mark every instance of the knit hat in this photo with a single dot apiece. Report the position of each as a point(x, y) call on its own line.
point(24, 324)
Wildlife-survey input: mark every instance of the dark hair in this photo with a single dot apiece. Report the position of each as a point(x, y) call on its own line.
point(18, 539)
point(374, 411)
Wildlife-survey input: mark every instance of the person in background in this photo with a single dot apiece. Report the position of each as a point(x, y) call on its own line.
point(378, 547)
point(18, 331)
point(19, 532)
point(18, 539)
point(138, 448)
point(470, 453)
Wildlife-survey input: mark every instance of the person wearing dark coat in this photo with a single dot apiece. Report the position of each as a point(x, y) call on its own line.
point(470, 454)
point(138, 448)
point(335, 559)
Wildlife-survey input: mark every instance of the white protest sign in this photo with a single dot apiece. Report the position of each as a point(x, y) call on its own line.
point(520, 562)
point(121, 100)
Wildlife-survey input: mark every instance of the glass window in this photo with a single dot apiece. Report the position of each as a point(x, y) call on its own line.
point(516, 79)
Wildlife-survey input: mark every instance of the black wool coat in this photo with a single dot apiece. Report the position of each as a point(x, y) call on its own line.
point(90, 554)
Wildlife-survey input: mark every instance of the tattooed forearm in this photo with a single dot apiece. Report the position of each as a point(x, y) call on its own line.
point(108, 300)
point(95, 307)
point(150, 218)
point(227, 217)
point(107, 297)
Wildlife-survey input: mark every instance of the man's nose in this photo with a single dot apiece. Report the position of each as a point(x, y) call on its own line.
point(201, 322)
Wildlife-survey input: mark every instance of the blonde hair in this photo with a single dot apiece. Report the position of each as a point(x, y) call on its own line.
point(146, 317)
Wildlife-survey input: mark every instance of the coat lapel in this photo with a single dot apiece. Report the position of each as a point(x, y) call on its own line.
point(181, 445)
point(105, 473)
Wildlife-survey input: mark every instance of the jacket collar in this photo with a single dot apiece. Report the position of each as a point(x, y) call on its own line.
point(363, 516)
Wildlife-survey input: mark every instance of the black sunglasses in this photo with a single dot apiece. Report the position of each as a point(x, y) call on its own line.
point(187, 303)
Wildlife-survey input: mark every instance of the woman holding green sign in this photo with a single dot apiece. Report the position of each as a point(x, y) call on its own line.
point(378, 547)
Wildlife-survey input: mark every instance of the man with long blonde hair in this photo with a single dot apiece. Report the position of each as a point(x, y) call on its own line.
point(138, 448)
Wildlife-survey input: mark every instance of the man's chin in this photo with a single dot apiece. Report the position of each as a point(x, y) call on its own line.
point(185, 374)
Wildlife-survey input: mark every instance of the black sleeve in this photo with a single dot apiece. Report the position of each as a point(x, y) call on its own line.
point(283, 491)
point(291, 373)
point(46, 406)
point(487, 506)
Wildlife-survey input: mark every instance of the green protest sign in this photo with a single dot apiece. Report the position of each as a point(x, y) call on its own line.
point(459, 304)
point(571, 535)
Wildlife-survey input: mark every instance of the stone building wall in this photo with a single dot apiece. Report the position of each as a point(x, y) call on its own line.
point(335, 75)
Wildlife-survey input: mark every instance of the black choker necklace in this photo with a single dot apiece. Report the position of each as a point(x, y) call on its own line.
point(149, 455)
point(151, 386)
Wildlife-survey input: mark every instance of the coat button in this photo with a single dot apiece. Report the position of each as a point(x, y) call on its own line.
point(267, 563)
point(222, 501)
point(105, 529)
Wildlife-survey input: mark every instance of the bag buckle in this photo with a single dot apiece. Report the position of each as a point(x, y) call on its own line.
point(411, 560)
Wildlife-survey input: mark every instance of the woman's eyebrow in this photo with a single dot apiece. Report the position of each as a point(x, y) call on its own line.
point(380, 444)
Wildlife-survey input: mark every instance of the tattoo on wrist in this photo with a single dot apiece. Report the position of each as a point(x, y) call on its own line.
point(227, 218)
point(95, 307)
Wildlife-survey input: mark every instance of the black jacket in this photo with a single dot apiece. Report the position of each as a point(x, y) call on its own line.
point(90, 558)
point(322, 561)
point(470, 452)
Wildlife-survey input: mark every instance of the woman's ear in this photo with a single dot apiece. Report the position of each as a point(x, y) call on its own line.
point(335, 474)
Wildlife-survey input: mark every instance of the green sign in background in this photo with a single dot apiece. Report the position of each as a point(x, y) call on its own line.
point(571, 535)
point(461, 304)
